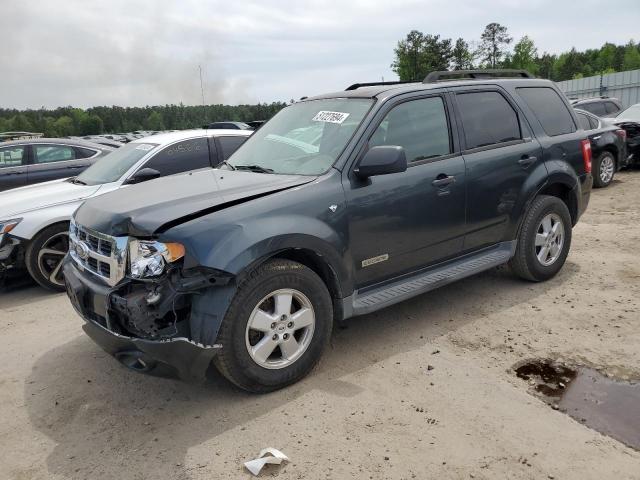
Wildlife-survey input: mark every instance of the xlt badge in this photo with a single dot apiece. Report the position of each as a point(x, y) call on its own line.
point(370, 261)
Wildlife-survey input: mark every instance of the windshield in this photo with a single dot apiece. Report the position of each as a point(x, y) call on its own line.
point(304, 138)
point(631, 113)
point(112, 166)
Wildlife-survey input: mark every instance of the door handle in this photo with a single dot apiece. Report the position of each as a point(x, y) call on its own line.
point(443, 180)
point(527, 160)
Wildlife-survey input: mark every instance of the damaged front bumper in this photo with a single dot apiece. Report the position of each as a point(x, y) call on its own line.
point(112, 315)
point(11, 253)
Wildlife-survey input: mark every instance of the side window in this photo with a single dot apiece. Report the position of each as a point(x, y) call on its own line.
point(53, 153)
point(584, 121)
point(12, 156)
point(597, 108)
point(611, 107)
point(419, 126)
point(84, 152)
point(230, 145)
point(594, 123)
point(487, 118)
point(550, 109)
point(181, 157)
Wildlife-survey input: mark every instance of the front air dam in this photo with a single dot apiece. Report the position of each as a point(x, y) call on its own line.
point(173, 357)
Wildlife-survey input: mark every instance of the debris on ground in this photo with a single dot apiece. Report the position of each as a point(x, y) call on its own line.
point(267, 455)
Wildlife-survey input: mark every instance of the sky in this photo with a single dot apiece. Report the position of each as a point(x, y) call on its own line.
point(148, 52)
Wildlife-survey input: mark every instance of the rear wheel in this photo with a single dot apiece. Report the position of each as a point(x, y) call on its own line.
point(544, 240)
point(604, 169)
point(44, 256)
point(276, 327)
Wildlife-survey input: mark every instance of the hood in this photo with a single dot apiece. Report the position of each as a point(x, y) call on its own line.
point(154, 206)
point(18, 201)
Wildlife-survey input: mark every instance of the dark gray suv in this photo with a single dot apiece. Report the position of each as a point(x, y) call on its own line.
point(340, 205)
point(25, 162)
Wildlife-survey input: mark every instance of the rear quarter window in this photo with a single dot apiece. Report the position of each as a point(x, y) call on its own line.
point(611, 107)
point(584, 121)
point(548, 107)
point(597, 108)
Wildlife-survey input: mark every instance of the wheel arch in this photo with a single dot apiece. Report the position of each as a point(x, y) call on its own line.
point(564, 193)
point(613, 150)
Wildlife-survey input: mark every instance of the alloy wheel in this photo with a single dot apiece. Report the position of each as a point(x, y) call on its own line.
point(51, 255)
point(280, 328)
point(606, 169)
point(549, 239)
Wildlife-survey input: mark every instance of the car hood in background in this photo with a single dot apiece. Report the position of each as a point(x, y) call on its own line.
point(147, 208)
point(18, 201)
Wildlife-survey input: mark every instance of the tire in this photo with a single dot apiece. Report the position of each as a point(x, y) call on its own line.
point(43, 265)
point(604, 169)
point(259, 302)
point(530, 261)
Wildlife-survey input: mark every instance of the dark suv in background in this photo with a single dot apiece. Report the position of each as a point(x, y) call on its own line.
point(408, 187)
point(608, 147)
point(25, 162)
point(600, 106)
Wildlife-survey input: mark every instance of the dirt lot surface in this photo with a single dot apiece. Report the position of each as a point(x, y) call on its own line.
point(420, 390)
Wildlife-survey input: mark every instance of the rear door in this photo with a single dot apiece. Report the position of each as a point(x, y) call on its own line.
point(53, 161)
point(13, 166)
point(557, 131)
point(500, 154)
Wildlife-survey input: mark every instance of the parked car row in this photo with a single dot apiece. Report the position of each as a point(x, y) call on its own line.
point(614, 135)
point(35, 219)
point(25, 162)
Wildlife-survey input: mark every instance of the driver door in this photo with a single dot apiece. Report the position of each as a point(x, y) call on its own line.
point(405, 221)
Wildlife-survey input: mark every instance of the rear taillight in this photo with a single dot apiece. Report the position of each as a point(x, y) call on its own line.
point(585, 145)
point(622, 134)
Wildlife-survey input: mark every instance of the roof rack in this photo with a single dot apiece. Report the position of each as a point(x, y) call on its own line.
point(434, 77)
point(355, 86)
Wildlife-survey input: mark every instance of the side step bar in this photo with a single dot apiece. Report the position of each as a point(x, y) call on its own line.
point(426, 280)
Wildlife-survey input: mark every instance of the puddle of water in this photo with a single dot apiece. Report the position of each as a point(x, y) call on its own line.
point(610, 406)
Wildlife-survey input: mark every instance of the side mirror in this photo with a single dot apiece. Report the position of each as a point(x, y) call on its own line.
point(143, 175)
point(382, 160)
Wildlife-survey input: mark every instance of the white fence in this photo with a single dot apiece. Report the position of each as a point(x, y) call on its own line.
point(625, 86)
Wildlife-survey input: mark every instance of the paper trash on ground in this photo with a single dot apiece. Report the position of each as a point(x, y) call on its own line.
point(274, 456)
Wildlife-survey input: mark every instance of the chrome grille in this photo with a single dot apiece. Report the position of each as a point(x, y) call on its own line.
point(102, 255)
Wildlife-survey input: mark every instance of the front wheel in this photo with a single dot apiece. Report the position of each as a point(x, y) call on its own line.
point(276, 327)
point(44, 256)
point(544, 240)
point(604, 168)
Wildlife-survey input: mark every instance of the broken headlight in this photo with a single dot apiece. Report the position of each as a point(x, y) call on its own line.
point(149, 258)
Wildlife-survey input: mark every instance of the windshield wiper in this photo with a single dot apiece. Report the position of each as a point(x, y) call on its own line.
point(254, 168)
point(224, 162)
point(77, 181)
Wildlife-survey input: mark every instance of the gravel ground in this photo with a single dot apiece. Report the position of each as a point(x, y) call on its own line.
point(420, 390)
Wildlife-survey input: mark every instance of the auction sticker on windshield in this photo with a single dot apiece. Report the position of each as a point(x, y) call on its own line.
point(330, 117)
point(145, 146)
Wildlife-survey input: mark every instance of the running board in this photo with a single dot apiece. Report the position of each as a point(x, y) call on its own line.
point(434, 277)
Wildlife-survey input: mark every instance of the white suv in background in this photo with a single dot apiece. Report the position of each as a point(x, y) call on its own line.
point(34, 220)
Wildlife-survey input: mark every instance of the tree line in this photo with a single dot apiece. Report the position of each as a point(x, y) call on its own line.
point(68, 121)
point(419, 54)
point(414, 57)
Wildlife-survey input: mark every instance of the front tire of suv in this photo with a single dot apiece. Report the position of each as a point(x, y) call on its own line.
point(544, 240)
point(276, 328)
point(44, 256)
point(604, 168)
